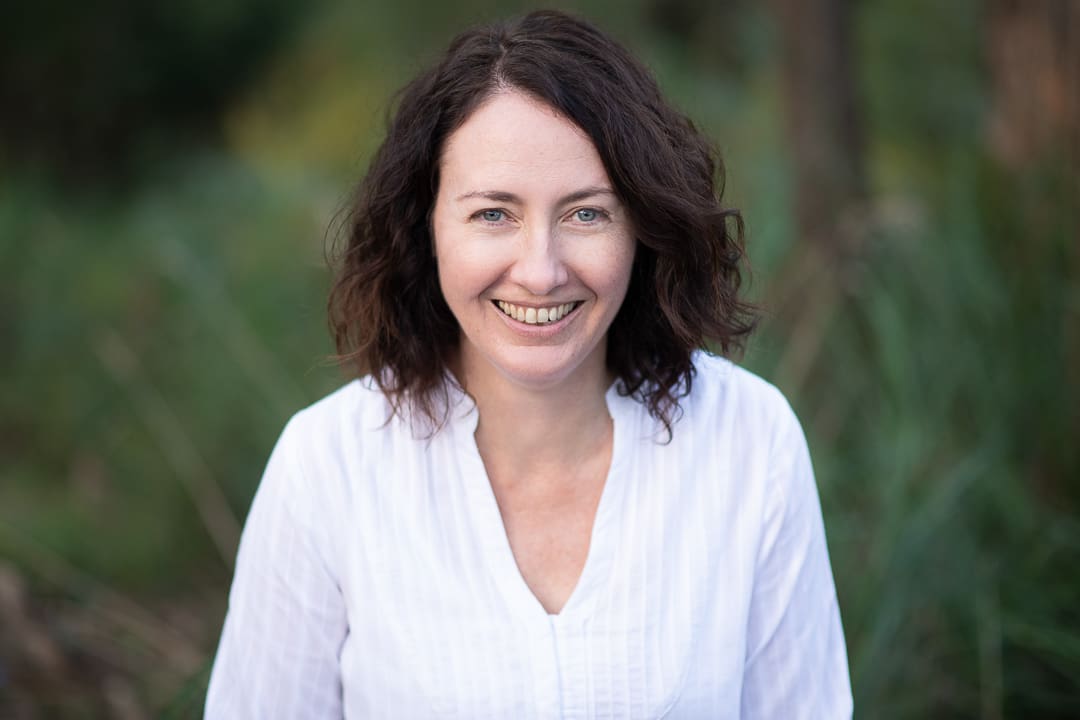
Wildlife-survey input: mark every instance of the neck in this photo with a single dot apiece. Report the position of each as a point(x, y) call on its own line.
point(528, 433)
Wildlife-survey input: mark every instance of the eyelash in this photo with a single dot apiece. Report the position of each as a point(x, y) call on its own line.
point(600, 215)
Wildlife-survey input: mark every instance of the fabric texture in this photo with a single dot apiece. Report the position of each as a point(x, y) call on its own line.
point(375, 579)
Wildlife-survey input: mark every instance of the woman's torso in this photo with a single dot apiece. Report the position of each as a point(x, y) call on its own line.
point(441, 622)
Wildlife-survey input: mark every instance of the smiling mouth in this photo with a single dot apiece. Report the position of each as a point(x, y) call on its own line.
point(536, 316)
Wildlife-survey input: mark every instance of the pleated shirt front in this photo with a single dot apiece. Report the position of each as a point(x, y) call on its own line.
point(375, 578)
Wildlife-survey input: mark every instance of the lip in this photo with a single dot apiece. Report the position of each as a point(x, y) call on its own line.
point(537, 331)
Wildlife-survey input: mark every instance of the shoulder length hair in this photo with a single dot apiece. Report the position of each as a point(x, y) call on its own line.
point(386, 310)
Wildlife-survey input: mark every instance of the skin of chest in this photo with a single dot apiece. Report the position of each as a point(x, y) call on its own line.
point(549, 526)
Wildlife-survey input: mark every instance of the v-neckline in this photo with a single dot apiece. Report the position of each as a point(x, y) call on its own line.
point(488, 525)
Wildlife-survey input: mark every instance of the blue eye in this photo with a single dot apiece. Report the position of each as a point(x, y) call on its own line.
point(586, 215)
point(492, 216)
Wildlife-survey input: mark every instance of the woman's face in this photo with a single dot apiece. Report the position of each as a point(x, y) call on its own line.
point(534, 248)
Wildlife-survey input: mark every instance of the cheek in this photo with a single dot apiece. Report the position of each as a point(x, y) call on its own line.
point(454, 284)
point(628, 255)
point(447, 258)
point(465, 269)
point(619, 263)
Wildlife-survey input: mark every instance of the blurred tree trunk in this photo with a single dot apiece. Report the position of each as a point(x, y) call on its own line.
point(824, 139)
point(822, 124)
point(1033, 58)
point(1033, 52)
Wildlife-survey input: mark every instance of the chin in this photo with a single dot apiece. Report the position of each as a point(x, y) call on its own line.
point(535, 376)
point(540, 370)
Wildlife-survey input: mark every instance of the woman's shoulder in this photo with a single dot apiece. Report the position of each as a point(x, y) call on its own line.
point(729, 402)
point(342, 419)
point(721, 386)
point(356, 404)
point(747, 425)
point(328, 449)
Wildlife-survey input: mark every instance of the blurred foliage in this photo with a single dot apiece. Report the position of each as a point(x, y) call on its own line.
point(158, 334)
point(92, 91)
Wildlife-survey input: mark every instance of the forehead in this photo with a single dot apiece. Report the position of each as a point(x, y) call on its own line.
point(513, 138)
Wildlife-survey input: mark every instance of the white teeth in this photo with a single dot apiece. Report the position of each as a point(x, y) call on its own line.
point(535, 316)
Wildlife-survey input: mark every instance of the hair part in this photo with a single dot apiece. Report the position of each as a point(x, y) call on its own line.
point(386, 309)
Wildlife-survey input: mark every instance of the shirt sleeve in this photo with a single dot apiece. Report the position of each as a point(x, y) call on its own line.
point(796, 665)
point(286, 623)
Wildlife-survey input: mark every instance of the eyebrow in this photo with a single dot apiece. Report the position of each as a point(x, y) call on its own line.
point(508, 197)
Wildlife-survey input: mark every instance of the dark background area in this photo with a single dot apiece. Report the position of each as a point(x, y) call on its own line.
point(908, 170)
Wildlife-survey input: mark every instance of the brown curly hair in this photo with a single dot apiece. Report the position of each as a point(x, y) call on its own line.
point(387, 313)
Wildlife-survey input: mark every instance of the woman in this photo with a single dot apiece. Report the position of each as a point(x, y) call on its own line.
point(543, 498)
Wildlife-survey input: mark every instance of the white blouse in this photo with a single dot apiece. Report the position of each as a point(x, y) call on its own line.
point(375, 579)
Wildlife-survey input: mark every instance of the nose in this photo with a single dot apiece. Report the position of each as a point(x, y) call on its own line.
point(539, 266)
